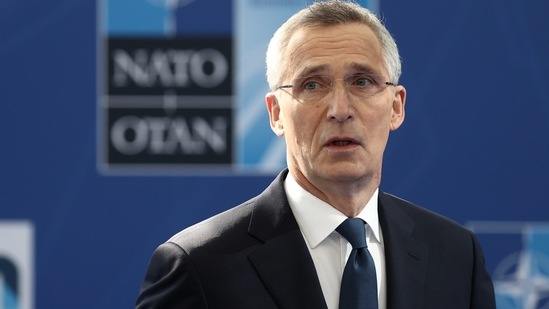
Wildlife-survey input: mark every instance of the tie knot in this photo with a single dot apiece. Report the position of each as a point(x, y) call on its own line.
point(353, 230)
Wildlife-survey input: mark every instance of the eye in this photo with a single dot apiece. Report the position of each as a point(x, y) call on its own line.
point(360, 81)
point(311, 85)
point(314, 83)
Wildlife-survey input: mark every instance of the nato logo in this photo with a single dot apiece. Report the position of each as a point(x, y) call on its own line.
point(518, 255)
point(166, 99)
point(16, 265)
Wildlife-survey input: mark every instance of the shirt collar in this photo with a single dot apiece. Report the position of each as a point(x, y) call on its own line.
point(318, 219)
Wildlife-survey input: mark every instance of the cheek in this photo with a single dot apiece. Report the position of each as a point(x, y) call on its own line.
point(380, 114)
point(297, 123)
point(377, 123)
point(302, 126)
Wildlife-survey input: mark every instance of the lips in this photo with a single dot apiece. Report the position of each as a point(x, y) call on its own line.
point(341, 141)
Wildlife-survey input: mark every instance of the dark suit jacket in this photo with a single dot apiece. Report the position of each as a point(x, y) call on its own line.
point(254, 256)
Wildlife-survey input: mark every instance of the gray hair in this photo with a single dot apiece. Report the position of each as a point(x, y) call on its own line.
point(325, 13)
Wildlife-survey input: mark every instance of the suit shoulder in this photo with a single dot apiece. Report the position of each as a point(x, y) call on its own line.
point(234, 229)
point(424, 218)
point(220, 229)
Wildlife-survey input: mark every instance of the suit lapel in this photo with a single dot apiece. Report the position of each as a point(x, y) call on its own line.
point(283, 262)
point(406, 257)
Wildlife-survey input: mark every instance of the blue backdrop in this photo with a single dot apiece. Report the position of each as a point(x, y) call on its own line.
point(474, 145)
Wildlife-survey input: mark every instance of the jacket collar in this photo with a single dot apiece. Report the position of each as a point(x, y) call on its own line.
point(283, 261)
point(405, 256)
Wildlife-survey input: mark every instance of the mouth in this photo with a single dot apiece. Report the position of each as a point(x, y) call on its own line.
point(341, 142)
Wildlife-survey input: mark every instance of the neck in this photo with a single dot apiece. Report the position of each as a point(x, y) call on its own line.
point(349, 197)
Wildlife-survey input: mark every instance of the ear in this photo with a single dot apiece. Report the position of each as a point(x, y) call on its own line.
point(274, 114)
point(399, 100)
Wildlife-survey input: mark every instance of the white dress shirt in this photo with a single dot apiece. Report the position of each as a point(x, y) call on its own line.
point(329, 250)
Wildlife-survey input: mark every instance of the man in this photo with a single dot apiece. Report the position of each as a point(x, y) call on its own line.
point(333, 71)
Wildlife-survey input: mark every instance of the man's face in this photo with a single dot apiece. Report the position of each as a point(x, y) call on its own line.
point(341, 135)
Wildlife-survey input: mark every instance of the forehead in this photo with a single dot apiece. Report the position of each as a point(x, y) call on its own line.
point(337, 49)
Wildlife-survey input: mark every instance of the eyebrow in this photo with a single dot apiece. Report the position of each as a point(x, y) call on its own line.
point(323, 68)
point(314, 70)
point(363, 68)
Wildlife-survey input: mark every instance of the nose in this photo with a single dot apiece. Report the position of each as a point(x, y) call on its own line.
point(340, 107)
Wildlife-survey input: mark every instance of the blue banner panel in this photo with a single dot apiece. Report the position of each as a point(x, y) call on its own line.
point(517, 254)
point(16, 264)
point(258, 149)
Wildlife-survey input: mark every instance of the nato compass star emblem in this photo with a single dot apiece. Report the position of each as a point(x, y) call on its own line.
point(521, 274)
point(171, 6)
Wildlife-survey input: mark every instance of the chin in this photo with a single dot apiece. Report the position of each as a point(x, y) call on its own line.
point(347, 172)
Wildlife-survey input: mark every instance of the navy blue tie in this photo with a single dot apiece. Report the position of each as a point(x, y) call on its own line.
point(358, 285)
